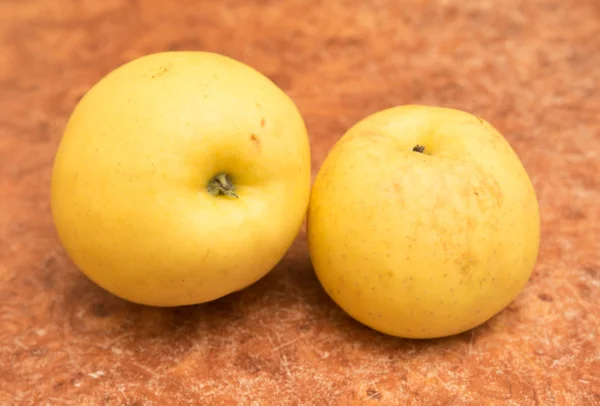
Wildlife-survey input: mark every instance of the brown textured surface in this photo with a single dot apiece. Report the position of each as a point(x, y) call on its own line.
point(530, 67)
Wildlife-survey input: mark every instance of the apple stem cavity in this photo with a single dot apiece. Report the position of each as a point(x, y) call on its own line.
point(221, 184)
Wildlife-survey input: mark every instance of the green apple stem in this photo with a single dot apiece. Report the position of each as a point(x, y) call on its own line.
point(221, 184)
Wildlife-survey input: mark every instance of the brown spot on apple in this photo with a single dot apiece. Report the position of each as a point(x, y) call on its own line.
point(255, 140)
point(465, 263)
point(262, 122)
point(161, 71)
point(494, 190)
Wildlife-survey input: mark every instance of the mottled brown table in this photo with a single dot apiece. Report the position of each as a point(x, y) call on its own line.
point(531, 67)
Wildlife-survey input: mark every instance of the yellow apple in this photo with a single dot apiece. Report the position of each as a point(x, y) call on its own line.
point(423, 222)
point(181, 177)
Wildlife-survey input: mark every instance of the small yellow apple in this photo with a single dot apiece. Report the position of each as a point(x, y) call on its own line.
point(423, 222)
point(181, 177)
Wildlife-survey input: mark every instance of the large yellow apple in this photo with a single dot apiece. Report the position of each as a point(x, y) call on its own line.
point(423, 222)
point(181, 177)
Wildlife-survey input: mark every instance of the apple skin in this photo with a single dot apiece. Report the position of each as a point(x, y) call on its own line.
point(129, 190)
point(423, 245)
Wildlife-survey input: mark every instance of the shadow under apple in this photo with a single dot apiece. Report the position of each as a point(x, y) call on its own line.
point(288, 300)
point(90, 306)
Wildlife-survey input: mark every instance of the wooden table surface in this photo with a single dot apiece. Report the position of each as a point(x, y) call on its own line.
point(531, 67)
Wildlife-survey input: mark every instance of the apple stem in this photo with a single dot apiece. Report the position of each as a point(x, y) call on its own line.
point(221, 184)
point(419, 148)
